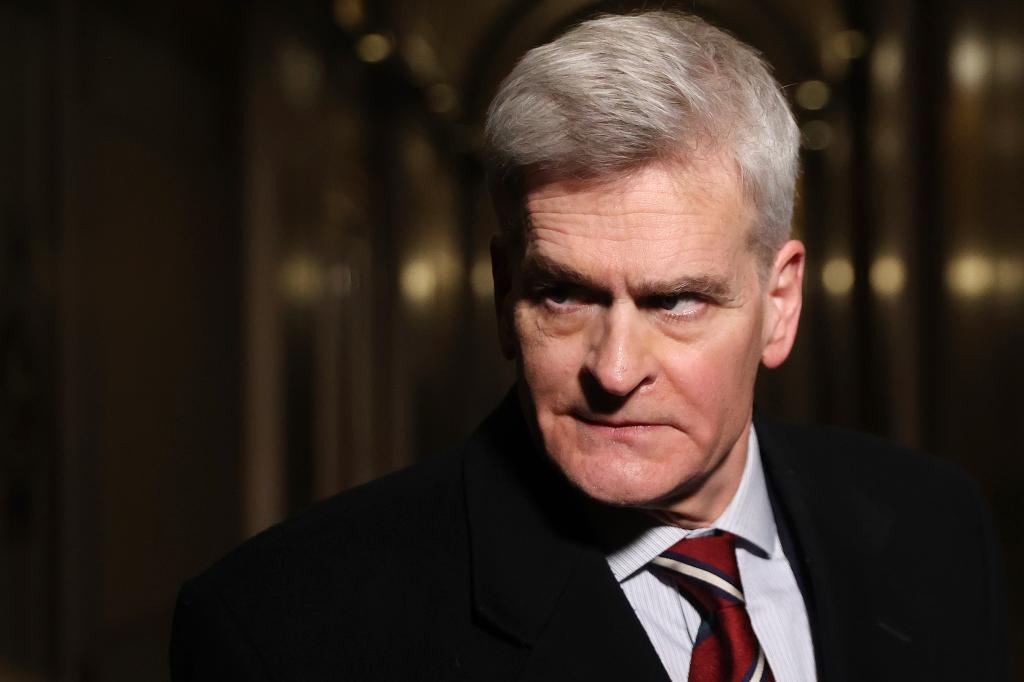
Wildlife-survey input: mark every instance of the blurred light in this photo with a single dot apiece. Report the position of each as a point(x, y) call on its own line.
point(420, 56)
point(837, 276)
point(373, 48)
point(301, 279)
point(419, 281)
point(839, 49)
point(340, 280)
point(817, 135)
point(848, 44)
point(447, 263)
point(300, 73)
point(969, 62)
point(812, 95)
point(970, 275)
point(1010, 276)
point(888, 276)
point(348, 13)
point(441, 98)
point(887, 63)
point(481, 279)
point(887, 144)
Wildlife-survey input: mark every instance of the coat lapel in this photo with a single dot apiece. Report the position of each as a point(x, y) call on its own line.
point(837, 545)
point(537, 577)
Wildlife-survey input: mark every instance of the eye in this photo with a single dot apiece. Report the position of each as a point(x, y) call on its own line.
point(680, 305)
point(557, 297)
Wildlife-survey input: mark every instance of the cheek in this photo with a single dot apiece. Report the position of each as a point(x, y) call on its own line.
point(715, 382)
point(549, 362)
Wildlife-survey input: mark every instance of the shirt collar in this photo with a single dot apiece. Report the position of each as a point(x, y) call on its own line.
point(748, 516)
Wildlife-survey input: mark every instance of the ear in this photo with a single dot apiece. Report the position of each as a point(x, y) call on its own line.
point(504, 303)
point(784, 297)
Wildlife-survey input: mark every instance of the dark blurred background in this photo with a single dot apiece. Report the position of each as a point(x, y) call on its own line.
point(243, 265)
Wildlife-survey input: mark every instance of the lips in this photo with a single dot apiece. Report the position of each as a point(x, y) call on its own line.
point(618, 423)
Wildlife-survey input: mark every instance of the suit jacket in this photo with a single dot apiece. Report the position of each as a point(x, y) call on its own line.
point(484, 564)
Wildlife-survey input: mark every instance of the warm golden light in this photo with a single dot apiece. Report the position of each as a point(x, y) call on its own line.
point(887, 63)
point(348, 13)
point(419, 281)
point(300, 74)
point(887, 276)
point(373, 48)
point(812, 95)
point(480, 278)
point(970, 275)
point(301, 279)
point(969, 62)
point(420, 56)
point(837, 277)
point(839, 49)
point(848, 44)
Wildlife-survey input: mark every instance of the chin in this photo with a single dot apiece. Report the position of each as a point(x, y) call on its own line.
point(623, 479)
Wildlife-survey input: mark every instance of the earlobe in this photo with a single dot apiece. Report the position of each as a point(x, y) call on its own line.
point(503, 307)
point(784, 298)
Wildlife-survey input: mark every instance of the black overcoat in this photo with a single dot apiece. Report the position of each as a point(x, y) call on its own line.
point(483, 564)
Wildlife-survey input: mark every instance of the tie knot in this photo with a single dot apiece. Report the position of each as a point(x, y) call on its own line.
point(706, 567)
point(726, 647)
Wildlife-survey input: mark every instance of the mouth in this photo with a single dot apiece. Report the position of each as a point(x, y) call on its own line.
point(619, 426)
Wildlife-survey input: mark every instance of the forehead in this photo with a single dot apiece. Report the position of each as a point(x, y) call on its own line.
point(711, 177)
point(660, 218)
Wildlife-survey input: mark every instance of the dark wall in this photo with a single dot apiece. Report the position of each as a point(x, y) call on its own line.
point(240, 258)
point(122, 219)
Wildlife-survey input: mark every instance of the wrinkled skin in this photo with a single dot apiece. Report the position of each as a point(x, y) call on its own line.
point(638, 316)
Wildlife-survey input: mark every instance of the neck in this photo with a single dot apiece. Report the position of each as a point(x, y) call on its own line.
point(701, 505)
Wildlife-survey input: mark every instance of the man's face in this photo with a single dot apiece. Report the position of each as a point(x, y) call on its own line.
point(638, 321)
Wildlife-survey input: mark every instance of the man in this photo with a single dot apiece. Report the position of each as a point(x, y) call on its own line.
point(623, 515)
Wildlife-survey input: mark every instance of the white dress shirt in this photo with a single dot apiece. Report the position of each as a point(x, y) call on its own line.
point(774, 602)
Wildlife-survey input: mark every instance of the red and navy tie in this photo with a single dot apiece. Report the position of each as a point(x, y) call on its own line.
point(725, 649)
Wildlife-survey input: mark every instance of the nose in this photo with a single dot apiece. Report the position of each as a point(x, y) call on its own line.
point(619, 359)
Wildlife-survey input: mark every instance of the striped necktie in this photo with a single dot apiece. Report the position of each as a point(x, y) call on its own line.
point(725, 649)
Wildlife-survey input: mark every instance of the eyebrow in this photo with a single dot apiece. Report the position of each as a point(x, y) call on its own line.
point(537, 268)
point(541, 269)
point(707, 285)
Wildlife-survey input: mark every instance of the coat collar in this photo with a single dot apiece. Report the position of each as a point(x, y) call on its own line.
point(835, 536)
point(539, 573)
point(521, 559)
point(540, 576)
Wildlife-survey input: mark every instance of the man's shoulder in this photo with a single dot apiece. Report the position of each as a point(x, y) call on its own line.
point(319, 592)
point(354, 528)
point(834, 457)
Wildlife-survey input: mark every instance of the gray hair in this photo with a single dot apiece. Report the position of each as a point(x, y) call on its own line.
point(619, 92)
